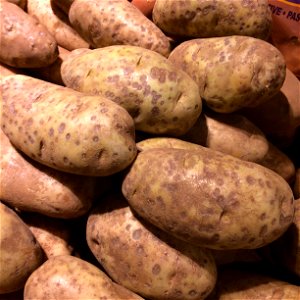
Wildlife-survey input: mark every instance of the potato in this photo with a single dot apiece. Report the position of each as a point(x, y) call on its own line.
point(57, 24)
point(65, 129)
point(20, 253)
point(69, 277)
point(25, 43)
point(51, 73)
point(232, 72)
point(285, 251)
point(232, 133)
point(279, 117)
point(116, 22)
point(209, 198)
point(160, 98)
point(279, 162)
point(234, 284)
point(202, 19)
point(144, 259)
point(53, 235)
point(30, 186)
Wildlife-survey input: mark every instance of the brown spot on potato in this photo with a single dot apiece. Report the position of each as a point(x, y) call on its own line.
point(156, 269)
point(137, 234)
point(251, 180)
point(61, 127)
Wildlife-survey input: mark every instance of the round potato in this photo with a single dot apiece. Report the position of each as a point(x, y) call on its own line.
point(232, 72)
point(30, 186)
point(116, 22)
point(20, 253)
point(211, 18)
point(25, 43)
point(209, 198)
point(231, 133)
point(65, 129)
point(57, 24)
point(236, 284)
point(53, 235)
point(69, 277)
point(160, 98)
point(144, 259)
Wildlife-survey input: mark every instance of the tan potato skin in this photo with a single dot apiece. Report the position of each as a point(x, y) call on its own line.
point(209, 198)
point(144, 259)
point(160, 98)
point(67, 130)
point(237, 284)
point(233, 134)
point(53, 235)
point(30, 186)
point(57, 24)
point(69, 277)
point(116, 22)
point(232, 72)
point(20, 253)
point(211, 18)
point(25, 43)
point(279, 116)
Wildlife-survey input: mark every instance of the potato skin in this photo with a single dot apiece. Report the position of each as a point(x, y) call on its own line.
point(116, 22)
point(232, 72)
point(65, 129)
point(231, 133)
point(30, 186)
point(211, 18)
point(236, 284)
point(232, 204)
point(69, 277)
point(17, 49)
point(21, 254)
point(160, 98)
point(57, 24)
point(144, 259)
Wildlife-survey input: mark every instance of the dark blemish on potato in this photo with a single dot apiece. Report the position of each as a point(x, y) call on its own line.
point(155, 111)
point(263, 216)
point(61, 127)
point(95, 139)
point(263, 230)
point(156, 269)
point(193, 293)
point(65, 160)
point(251, 180)
point(93, 118)
point(68, 136)
point(137, 234)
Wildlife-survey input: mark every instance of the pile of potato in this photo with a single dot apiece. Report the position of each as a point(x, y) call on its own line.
point(147, 152)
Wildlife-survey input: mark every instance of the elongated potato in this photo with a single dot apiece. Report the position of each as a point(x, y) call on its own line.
point(160, 98)
point(65, 129)
point(116, 22)
point(279, 117)
point(232, 133)
point(208, 198)
point(57, 24)
point(69, 277)
point(25, 43)
point(211, 18)
point(236, 284)
point(232, 72)
point(30, 186)
point(144, 259)
point(20, 253)
point(53, 235)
